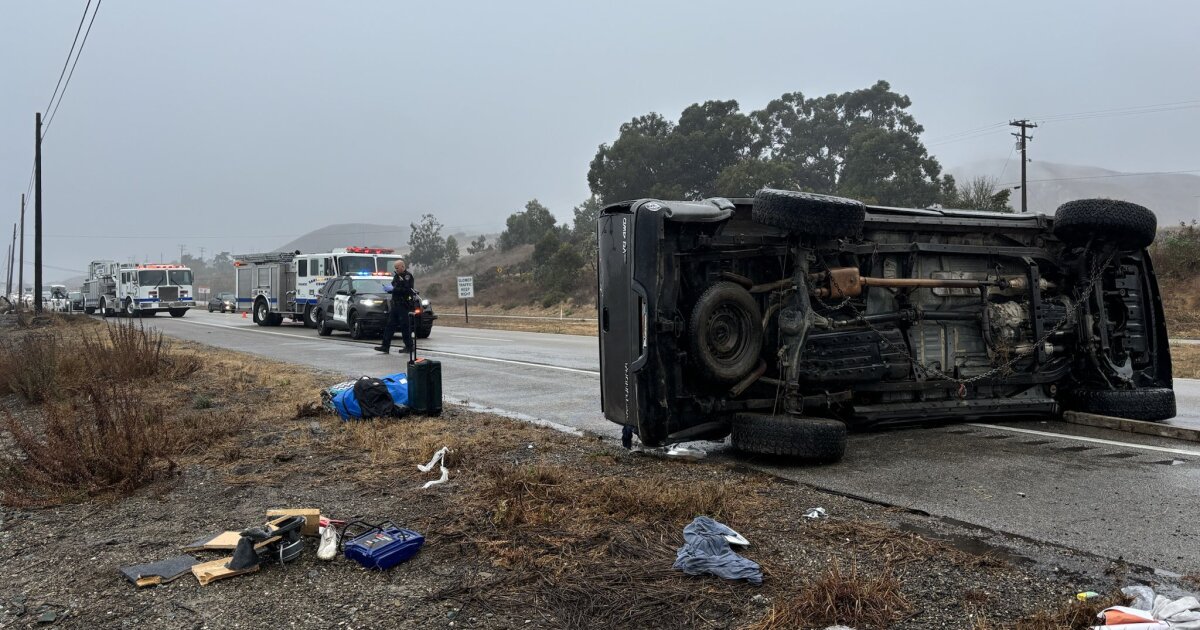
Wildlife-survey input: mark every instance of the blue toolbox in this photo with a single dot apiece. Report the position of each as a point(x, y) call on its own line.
point(380, 546)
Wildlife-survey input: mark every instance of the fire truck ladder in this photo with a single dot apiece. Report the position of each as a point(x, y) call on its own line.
point(269, 257)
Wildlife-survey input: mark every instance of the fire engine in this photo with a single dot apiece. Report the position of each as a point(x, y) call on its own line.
point(278, 285)
point(114, 288)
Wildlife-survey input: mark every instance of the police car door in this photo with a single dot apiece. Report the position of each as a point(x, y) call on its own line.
point(341, 301)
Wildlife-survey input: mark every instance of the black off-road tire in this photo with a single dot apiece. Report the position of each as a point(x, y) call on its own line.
point(1152, 404)
point(809, 214)
point(423, 332)
point(808, 440)
point(1127, 225)
point(323, 328)
point(725, 333)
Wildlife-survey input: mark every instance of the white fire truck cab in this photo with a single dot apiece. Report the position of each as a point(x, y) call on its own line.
point(114, 288)
point(275, 286)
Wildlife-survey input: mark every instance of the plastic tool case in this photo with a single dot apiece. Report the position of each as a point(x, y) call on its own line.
point(380, 546)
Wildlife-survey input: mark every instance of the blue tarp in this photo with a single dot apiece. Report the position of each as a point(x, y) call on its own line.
point(346, 405)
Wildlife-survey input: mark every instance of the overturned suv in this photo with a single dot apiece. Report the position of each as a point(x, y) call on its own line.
point(783, 319)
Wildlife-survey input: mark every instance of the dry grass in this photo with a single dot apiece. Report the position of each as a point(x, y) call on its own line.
point(561, 327)
point(1073, 615)
point(105, 416)
point(1185, 361)
point(1181, 304)
point(896, 548)
point(838, 596)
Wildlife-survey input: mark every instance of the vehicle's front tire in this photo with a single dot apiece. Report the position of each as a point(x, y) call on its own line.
point(323, 328)
point(1151, 404)
point(262, 313)
point(808, 214)
point(725, 333)
point(423, 330)
point(130, 311)
point(1127, 225)
point(808, 440)
point(178, 312)
point(357, 331)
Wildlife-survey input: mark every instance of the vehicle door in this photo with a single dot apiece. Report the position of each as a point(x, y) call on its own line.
point(341, 300)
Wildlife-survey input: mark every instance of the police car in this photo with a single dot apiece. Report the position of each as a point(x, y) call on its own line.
point(359, 304)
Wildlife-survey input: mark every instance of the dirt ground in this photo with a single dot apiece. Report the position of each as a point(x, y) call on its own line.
point(562, 327)
point(535, 529)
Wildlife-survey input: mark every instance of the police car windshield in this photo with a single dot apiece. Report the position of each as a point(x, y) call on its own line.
point(356, 264)
point(180, 276)
point(369, 285)
point(152, 277)
point(384, 263)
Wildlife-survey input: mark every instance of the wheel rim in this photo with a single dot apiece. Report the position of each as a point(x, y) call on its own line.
point(728, 330)
point(262, 312)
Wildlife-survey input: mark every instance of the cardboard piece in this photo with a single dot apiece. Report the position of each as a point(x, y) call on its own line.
point(225, 541)
point(216, 570)
point(312, 518)
point(159, 572)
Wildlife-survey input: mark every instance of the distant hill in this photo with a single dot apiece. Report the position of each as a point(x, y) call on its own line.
point(349, 235)
point(1173, 197)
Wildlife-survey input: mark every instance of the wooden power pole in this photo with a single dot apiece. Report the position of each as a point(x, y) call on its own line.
point(21, 256)
point(37, 214)
point(1022, 143)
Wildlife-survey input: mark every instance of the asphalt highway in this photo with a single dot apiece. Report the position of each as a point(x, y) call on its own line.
point(1092, 490)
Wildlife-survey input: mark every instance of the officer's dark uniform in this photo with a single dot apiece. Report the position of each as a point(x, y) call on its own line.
point(403, 301)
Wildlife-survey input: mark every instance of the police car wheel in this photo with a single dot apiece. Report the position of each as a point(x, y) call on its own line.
point(323, 328)
point(356, 327)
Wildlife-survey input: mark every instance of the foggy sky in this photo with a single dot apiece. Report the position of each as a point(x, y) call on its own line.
point(239, 125)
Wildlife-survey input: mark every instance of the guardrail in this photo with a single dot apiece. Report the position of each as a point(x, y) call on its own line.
point(533, 317)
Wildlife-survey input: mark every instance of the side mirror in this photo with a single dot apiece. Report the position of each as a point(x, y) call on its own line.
point(353, 291)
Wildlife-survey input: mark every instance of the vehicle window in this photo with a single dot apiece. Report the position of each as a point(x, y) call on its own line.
point(302, 268)
point(384, 263)
point(152, 277)
point(328, 269)
point(356, 264)
point(369, 285)
point(180, 276)
point(331, 287)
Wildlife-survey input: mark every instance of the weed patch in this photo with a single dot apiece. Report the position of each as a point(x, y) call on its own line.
point(838, 596)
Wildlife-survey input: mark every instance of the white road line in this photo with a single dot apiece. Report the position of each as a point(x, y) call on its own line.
point(446, 334)
point(1079, 438)
point(442, 352)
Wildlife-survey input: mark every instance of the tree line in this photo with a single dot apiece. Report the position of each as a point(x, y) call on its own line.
point(862, 144)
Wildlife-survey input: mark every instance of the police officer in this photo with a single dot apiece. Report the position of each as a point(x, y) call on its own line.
point(398, 313)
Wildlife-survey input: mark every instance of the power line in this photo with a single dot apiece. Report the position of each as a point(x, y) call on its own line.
point(69, 53)
point(73, 64)
point(1145, 174)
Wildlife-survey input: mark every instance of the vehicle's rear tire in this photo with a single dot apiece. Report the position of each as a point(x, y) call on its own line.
point(262, 313)
point(310, 319)
point(1151, 404)
point(725, 333)
point(809, 440)
point(323, 328)
point(1125, 224)
point(809, 214)
point(178, 312)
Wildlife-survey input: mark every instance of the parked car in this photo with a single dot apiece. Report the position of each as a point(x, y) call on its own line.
point(224, 302)
point(360, 304)
point(783, 319)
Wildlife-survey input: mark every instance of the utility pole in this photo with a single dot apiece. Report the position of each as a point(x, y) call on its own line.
point(12, 253)
point(1022, 140)
point(37, 214)
point(21, 256)
point(181, 254)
